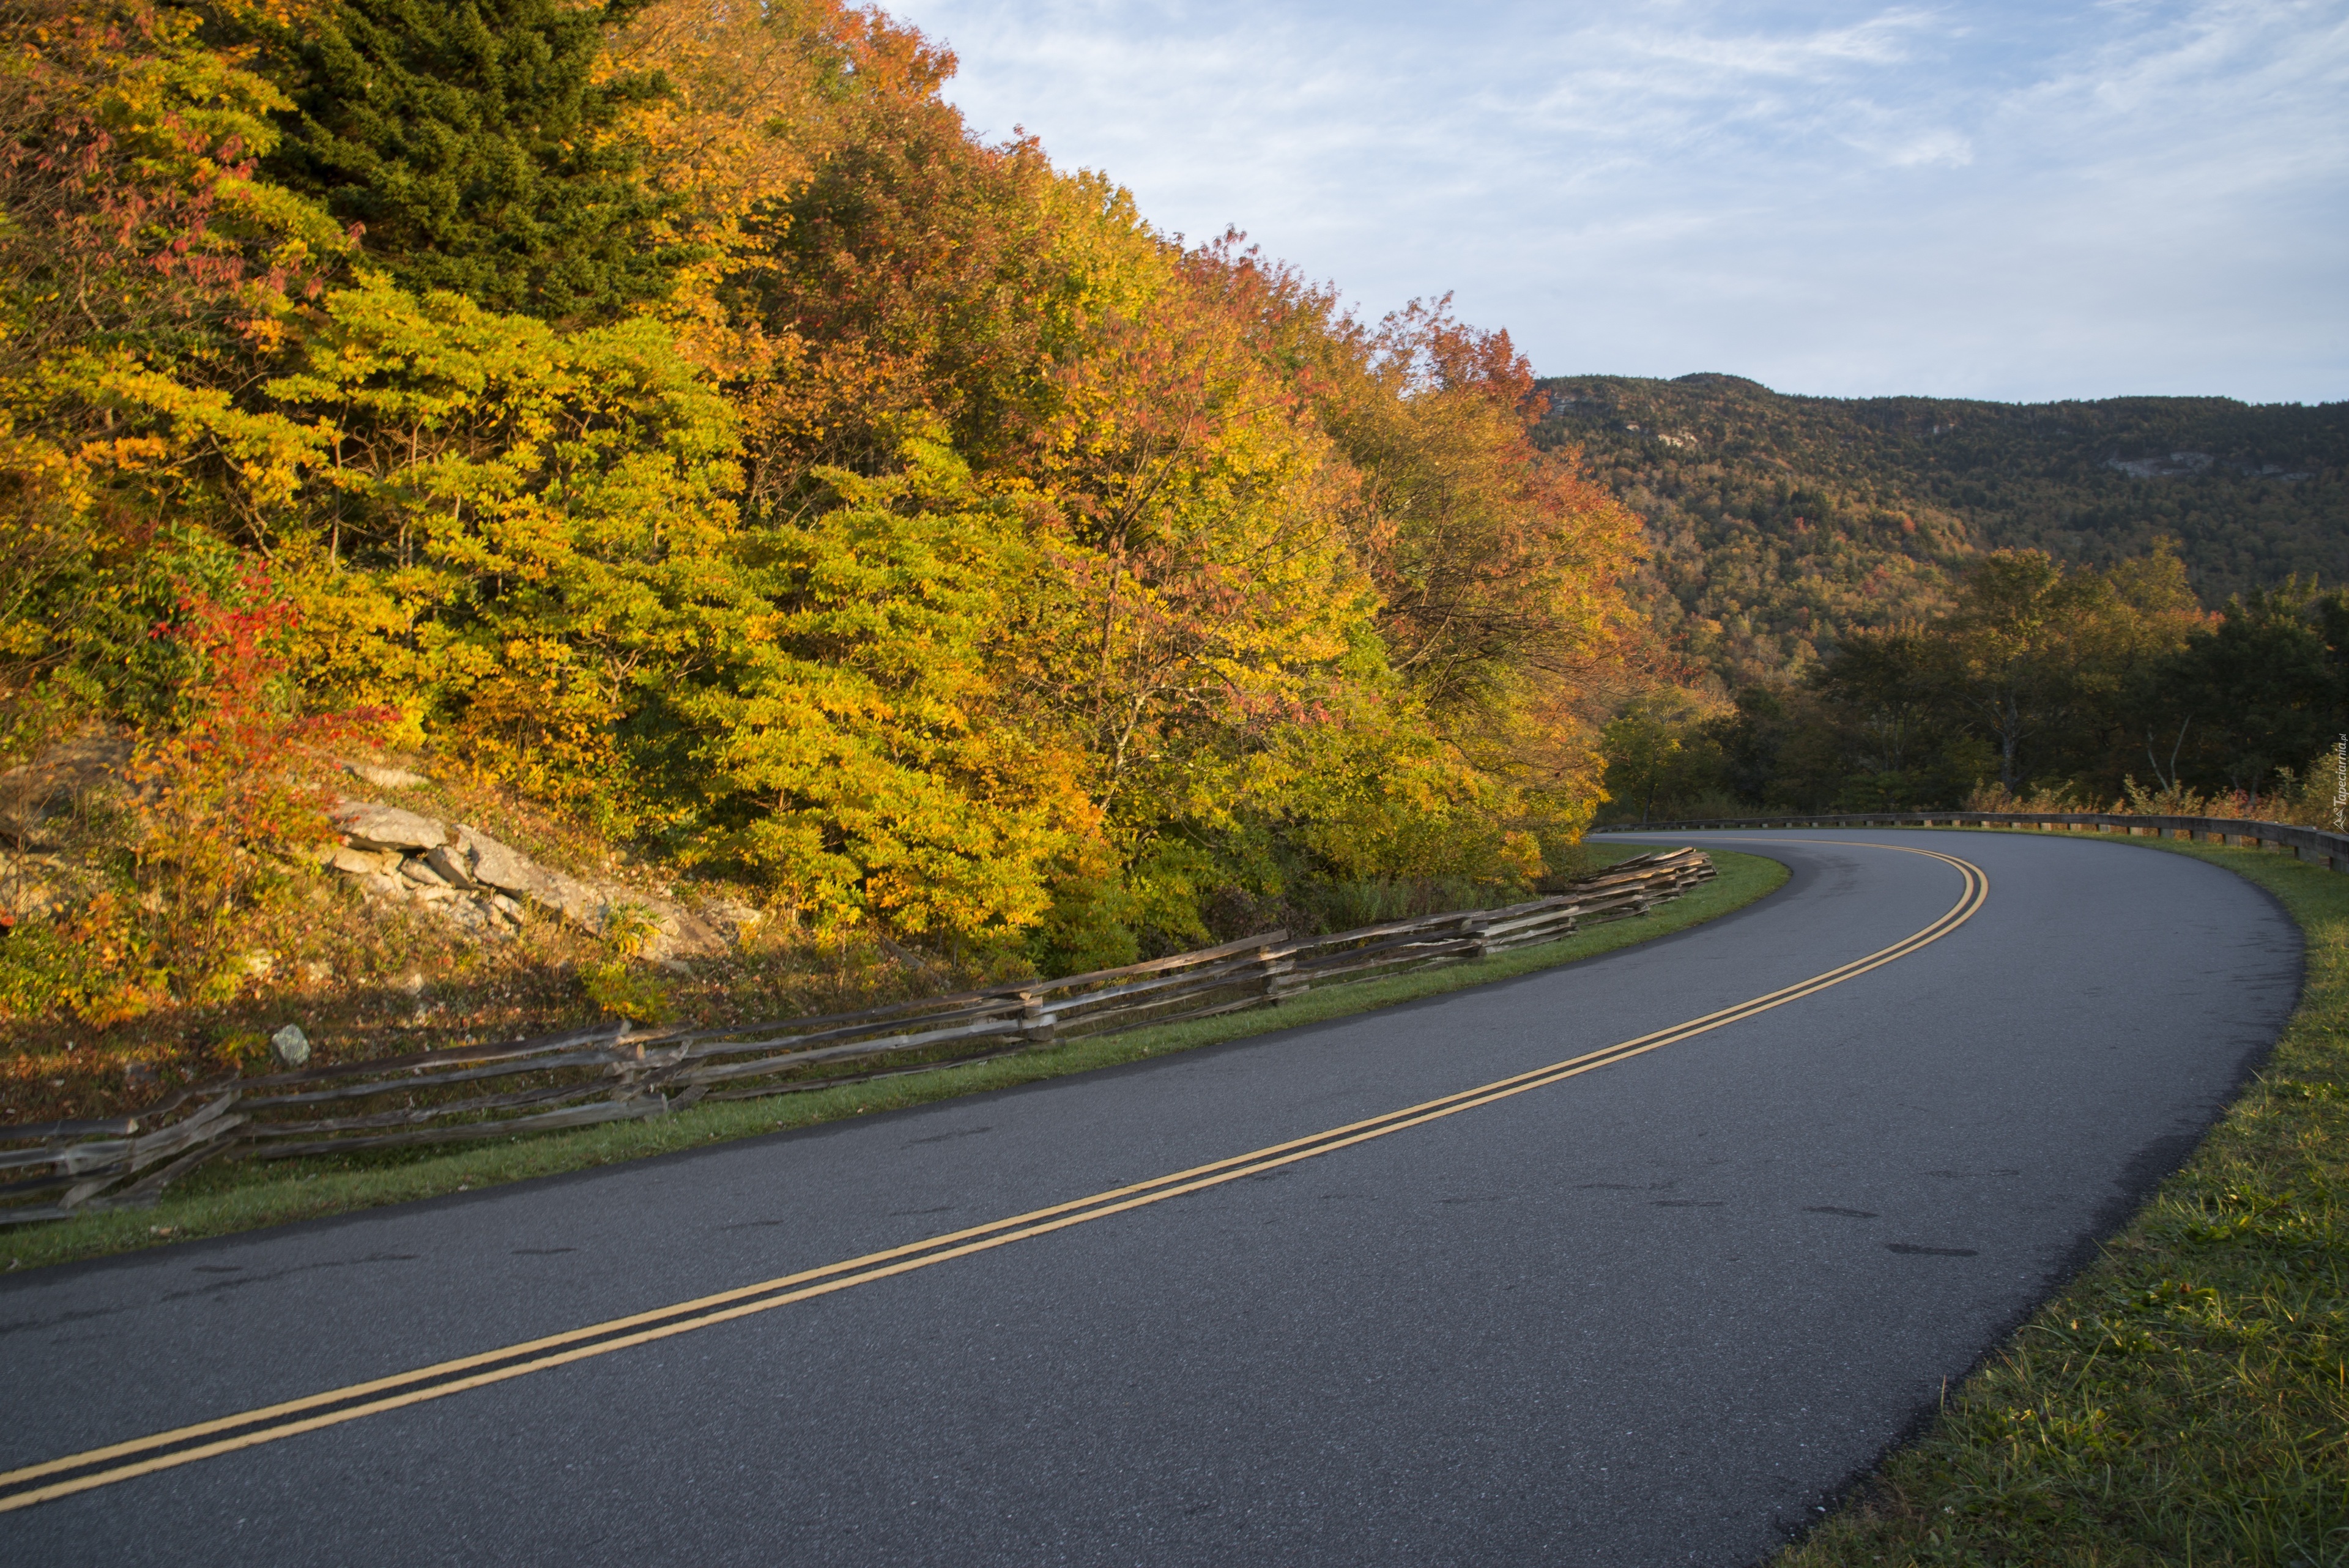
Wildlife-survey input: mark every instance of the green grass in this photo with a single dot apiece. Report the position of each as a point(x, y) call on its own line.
point(2186, 1399)
point(232, 1197)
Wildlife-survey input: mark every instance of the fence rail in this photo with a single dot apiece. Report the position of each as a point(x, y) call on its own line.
point(2314, 845)
point(616, 1072)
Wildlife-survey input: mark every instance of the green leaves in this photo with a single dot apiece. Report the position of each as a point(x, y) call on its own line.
point(478, 148)
point(540, 523)
point(943, 547)
point(861, 750)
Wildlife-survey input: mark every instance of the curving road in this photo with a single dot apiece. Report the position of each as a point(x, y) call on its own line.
point(1655, 1313)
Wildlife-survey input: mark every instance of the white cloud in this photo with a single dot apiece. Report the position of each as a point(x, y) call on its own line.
point(1996, 200)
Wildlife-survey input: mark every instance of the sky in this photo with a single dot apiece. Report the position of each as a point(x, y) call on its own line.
point(2020, 201)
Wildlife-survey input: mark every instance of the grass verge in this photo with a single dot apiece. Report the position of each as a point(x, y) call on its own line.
point(2186, 1399)
point(229, 1198)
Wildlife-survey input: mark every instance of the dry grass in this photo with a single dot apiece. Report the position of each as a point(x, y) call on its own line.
point(366, 979)
point(365, 982)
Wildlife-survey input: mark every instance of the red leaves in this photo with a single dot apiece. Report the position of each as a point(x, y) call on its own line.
point(1438, 352)
point(123, 145)
point(241, 748)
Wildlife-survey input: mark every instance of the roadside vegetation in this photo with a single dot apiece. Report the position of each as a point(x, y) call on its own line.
point(670, 420)
point(2186, 1399)
point(2042, 685)
point(224, 1199)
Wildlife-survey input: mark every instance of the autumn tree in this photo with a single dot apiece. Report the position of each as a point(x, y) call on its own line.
point(2255, 692)
point(144, 270)
point(2036, 656)
point(675, 411)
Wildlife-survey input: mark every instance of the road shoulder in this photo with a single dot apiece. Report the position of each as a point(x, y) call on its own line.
point(2182, 1400)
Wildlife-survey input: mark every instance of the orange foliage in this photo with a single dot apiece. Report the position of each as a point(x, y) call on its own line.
point(949, 548)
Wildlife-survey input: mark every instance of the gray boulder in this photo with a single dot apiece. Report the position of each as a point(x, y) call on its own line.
point(290, 1046)
point(366, 825)
point(453, 865)
point(400, 854)
point(495, 864)
point(353, 862)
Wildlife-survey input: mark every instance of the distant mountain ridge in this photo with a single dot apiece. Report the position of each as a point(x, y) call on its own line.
point(1780, 521)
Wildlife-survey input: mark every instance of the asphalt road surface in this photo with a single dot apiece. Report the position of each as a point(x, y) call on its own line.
point(1657, 1313)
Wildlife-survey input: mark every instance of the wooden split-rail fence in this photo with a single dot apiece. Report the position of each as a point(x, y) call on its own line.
point(618, 1071)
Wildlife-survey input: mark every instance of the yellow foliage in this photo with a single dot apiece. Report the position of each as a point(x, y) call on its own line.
point(951, 549)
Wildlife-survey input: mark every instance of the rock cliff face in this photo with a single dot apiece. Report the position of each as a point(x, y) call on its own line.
point(488, 887)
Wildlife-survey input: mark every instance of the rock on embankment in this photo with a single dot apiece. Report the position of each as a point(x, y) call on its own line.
point(466, 876)
point(459, 872)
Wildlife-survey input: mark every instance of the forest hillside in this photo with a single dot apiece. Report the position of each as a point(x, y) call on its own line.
point(1779, 523)
point(667, 424)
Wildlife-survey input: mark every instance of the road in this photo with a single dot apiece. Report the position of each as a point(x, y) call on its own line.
point(1660, 1312)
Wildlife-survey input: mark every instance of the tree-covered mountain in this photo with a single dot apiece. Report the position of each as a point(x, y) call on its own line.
point(1779, 523)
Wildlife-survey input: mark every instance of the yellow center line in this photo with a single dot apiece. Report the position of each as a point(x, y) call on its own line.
point(272, 1423)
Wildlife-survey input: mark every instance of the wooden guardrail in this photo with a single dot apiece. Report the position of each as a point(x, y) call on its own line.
point(617, 1072)
point(2314, 845)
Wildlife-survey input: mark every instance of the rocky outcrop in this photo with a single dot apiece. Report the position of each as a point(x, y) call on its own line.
point(457, 871)
point(36, 883)
point(491, 888)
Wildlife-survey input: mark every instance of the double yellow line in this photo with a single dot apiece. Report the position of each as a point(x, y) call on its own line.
point(207, 1440)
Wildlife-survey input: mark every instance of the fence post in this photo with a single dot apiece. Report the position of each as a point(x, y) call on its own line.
point(1475, 930)
point(1280, 979)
